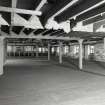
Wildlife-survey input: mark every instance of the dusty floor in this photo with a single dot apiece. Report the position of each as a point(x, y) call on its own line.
point(48, 83)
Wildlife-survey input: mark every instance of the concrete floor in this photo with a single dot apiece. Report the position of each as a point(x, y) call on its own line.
point(27, 82)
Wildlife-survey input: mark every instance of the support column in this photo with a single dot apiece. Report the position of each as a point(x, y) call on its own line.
point(56, 51)
point(69, 49)
point(49, 51)
point(87, 52)
point(37, 51)
point(1, 55)
point(104, 44)
point(80, 54)
point(60, 52)
point(5, 50)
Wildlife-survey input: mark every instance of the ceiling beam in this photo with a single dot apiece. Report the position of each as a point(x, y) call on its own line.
point(45, 37)
point(88, 9)
point(79, 11)
point(94, 20)
point(21, 32)
point(14, 3)
point(32, 32)
point(98, 25)
point(43, 32)
point(92, 13)
point(41, 5)
point(54, 32)
point(21, 11)
point(37, 9)
point(60, 34)
point(71, 3)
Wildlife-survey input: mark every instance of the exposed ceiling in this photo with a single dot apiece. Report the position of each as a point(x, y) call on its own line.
point(88, 11)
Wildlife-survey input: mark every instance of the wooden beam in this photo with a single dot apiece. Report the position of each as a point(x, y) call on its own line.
point(45, 37)
point(32, 32)
point(91, 14)
point(38, 8)
point(21, 30)
point(43, 32)
point(81, 10)
point(21, 11)
point(94, 20)
point(86, 10)
point(14, 3)
point(71, 3)
point(53, 32)
point(98, 24)
point(60, 34)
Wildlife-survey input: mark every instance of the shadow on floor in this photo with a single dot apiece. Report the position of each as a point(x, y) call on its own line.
point(100, 64)
point(91, 67)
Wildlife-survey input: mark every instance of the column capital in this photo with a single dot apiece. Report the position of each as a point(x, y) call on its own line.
point(60, 42)
point(49, 44)
point(2, 37)
point(80, 41)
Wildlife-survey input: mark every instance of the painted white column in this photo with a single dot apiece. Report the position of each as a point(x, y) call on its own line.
point(87, 51)
point(60, 52)
point(1, 55)
point(49, 52)
point(80, 54)
point(69, 49)
point(56, 48)
point(5, 50)
point(104, 44)
point(37, 51)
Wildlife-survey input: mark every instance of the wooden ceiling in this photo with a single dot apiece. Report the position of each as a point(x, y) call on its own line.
point(81, 10)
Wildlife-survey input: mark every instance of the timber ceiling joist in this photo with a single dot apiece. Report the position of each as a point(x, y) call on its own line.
point(60, 10)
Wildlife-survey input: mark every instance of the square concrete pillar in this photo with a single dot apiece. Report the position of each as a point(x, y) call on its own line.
point(5, 50)
point(104, 44)
point(60, 52)
point(1, 55)
point(80, 54)
point(87, 52)
point(49, 51)
point(37, 52)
